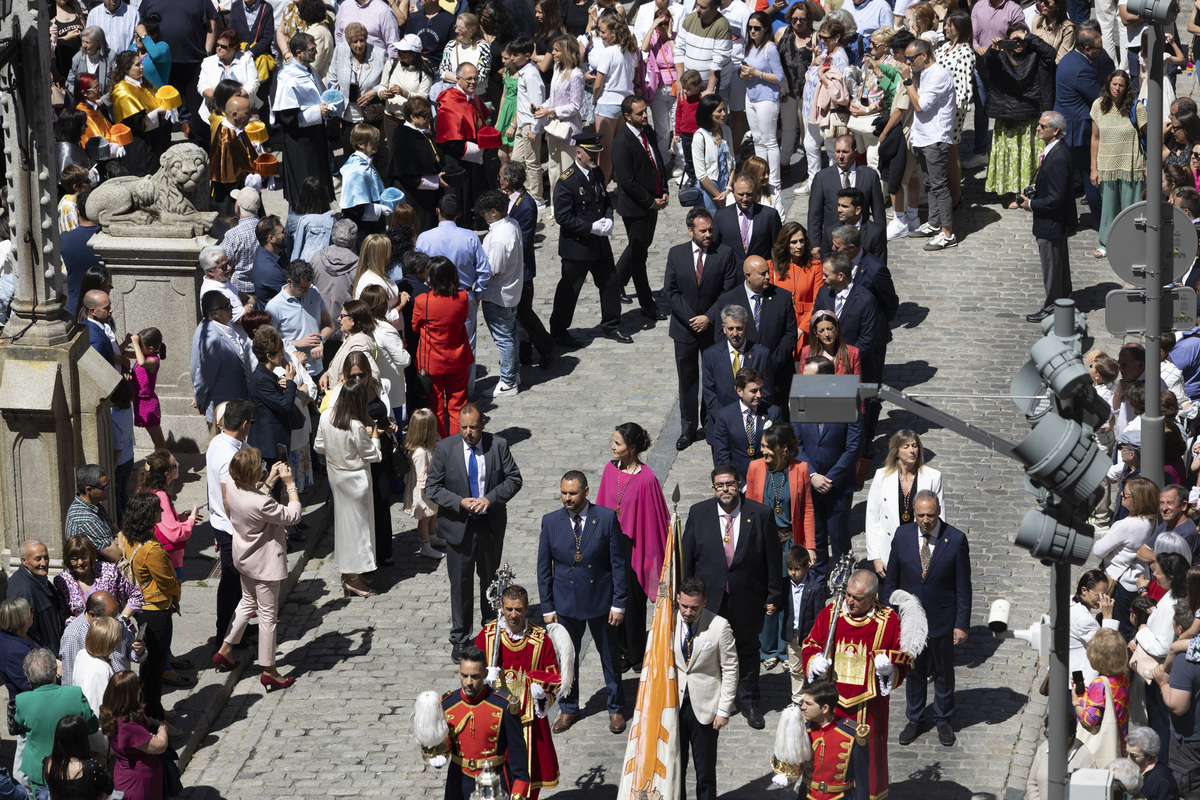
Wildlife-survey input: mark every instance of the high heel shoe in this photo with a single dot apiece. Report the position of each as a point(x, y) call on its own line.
point(223, 664)
point(271, 683)
point(348, 590)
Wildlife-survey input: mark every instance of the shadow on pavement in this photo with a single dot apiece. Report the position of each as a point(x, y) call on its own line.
point(996, 704)
point(927, 784)
point(910, 315)
point(909, 374)
point(1091, 298)
point(328, 650)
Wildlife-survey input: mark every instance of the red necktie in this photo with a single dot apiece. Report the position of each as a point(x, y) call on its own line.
point(653, 165)
point(699, 265)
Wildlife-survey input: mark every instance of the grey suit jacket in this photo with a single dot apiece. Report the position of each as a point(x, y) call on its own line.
point(710, 677)
point(447, 485)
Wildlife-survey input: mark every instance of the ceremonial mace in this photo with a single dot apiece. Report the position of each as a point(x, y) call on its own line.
point(495, 597)
point(839, 577)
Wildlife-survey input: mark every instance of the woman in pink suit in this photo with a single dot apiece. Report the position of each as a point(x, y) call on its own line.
point(260, 555)
point(631, 488)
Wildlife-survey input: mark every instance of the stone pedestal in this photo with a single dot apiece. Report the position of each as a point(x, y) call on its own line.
point(156, 284)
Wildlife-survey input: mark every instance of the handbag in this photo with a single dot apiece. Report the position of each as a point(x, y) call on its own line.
point(172, 777)
point(1142, 663)
point(559, 129)
point(690, 197)
point(1105, 743)
point(839, 123)
point(422, 375)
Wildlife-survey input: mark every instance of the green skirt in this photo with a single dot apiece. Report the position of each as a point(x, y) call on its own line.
point(508, 109)
point(1013, 162)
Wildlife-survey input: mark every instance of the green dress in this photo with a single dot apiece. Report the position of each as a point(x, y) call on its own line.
point(508, 109)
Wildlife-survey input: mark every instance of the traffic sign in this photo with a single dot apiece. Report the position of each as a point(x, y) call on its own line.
point(1127, 244)
point(1125, 310)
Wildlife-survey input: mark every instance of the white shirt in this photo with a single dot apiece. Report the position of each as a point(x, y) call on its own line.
point(750, 299)
point(935, 95)
point(506, 256)
point(221, 451)
point(235, 302)
point(839, 299)
point(1083, 627)
point(112, 337)
point(732, 351)
point(797, 599)
point(1117, 550)
point(477, 451)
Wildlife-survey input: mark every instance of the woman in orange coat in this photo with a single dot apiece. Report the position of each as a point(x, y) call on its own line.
point(794, 268)
point(443, 354)
point(781, 482)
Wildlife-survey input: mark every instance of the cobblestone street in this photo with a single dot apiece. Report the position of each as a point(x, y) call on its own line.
point(343, 729)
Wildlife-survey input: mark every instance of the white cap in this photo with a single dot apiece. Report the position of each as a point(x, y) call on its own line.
point(410, 43)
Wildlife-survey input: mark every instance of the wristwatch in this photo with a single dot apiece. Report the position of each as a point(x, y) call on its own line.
point(908, 82)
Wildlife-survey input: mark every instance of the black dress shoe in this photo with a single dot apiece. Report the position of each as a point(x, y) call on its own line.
point(683, 442)
point(617, 336)
point(946, 734)
point(548, 358)
point(626, 298)
point(1038, 316)
point(909, 734)
point(456, 653)
point(654, 313)
point(754, 717)
point(566, 340)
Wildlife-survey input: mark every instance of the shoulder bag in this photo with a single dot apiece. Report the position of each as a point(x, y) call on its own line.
point(1104, 743)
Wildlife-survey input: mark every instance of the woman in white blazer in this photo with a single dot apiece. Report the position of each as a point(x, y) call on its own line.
point(893, 492)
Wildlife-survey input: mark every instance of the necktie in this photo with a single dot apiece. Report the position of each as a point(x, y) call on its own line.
point(598, 183)
point(745, 231)
point(838, 302)
point(728, 540)
point(757, 300)
point(737, 363)
point(926, 555)
point(750, 427)
point(473, 474)
point(699, 265)
point(653, 164)
point(687, 643)
point(845, 179)
point(577, 529)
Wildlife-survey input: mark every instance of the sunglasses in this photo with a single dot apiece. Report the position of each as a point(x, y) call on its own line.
point(754, 27)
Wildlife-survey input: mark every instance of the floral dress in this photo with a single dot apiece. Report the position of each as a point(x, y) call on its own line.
point(106, 578)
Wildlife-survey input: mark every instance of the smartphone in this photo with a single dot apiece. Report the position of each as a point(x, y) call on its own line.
point(1007, 44)
point(1080, 686)
point(282, 452)
point(202, 506)
point(828, 60)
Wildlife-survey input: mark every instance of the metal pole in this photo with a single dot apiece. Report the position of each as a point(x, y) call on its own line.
point(1060, 705)
point(1152, 421)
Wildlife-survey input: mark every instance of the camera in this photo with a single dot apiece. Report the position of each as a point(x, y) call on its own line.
point(1028, 191)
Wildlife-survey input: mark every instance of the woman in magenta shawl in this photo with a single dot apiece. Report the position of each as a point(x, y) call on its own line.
point(631, 489)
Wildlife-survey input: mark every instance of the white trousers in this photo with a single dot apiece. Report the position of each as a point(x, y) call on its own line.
point(762, 116)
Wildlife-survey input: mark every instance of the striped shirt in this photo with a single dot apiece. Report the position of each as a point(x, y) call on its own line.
point(703, 47)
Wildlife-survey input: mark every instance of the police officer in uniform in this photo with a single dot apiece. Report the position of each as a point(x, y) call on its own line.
point(584, 211)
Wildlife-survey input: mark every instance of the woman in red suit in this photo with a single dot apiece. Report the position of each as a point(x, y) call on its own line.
point(827, 343)
point(443, 354)
point(795, 268)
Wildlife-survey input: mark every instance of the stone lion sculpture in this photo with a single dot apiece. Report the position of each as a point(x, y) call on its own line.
point(173, 200)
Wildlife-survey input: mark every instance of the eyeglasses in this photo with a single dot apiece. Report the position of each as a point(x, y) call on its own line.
point(469, 80)
point(795, 20)
point(343, 316)
point(101, 487)
point(79, 559)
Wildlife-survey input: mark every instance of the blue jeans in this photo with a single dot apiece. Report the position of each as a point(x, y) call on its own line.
point(502, 322)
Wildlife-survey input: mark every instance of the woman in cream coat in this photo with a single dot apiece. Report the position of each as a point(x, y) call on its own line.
point(893, 492)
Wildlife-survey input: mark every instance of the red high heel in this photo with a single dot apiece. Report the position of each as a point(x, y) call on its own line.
point(223, 664)
point(272, 683)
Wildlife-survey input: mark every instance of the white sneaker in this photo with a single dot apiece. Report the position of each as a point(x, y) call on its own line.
point(677, 173)
point(803, 188)
point(975, 162)
point(542, 205)
point(898, 228)
point(428, 551)
point(941, 242)
point(504, 390)
point(923, 231)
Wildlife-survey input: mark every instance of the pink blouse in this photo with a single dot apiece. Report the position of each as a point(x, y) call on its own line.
point(171, 531)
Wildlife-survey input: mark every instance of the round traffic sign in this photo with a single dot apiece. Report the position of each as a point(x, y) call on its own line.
point(1127, 243)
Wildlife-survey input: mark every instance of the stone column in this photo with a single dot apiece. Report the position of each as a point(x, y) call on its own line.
point(156, 284)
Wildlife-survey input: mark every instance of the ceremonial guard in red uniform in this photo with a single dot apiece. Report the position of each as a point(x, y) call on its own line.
point(840, 761)
point(484, 733)
point(528, 672)
point(868, 663)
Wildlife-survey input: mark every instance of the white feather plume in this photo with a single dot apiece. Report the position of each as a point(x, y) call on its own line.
point(564, 651)
point(792, 748)
point(429, 726)
point(914, 627)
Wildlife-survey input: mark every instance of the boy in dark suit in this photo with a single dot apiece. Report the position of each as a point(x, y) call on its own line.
point(804, 597)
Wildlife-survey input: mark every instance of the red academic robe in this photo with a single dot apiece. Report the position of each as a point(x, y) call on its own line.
point(459, 119)
point(856, 643)
point(525, 662)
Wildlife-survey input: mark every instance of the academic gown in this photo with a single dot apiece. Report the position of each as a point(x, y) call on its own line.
point(296, 111)
point(458, 122)
point(230, 160)
point(414, 156)
point(362, 188)
point(132, 105)
point(97, 123)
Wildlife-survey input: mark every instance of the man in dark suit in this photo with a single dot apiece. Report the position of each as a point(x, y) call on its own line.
point(862, 320)
point(641, 193)
point(872, 234)
point(932, 561)
point(721, 363)
point(731, 543)
point(1076, 87)
point(846, 173)
point(98, 314)
point(772, 320)
point(1053, 207)
point(583, 211)
point(736, 431)
point(831, 451)
point(471, 478)
point(524, 212)
point(747, 227)
point(804, 597)
point(581, 581)
point(698, 272)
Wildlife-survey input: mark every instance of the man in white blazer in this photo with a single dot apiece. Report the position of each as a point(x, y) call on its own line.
point(706, 669)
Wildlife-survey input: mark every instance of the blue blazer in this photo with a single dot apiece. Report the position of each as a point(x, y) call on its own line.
point(218, 373)
point(273, 408)
point(524, 213)
point(727, 436)
point(100, 342)
point(874, 275)
point(863, 323)
point(588, 588)
point(945, 591)
point(811, 602)
point(1076, 87)
point(717, 374)
point(831, 450)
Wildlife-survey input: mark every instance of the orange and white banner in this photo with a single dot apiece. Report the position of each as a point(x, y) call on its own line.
point(651, 767)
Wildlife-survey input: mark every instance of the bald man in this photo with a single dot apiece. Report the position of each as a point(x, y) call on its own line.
point(97, 308)
point(31, 581)
point(232, 153)
point(99, 604)
point(772, 323)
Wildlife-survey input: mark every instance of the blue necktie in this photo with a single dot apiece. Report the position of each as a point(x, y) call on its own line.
point(473, 474)
point(757, 310)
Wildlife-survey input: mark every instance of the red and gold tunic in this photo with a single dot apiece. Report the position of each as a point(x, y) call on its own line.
point(526, 661)
point(483, 732)
point(840, 762)
point(856, 643)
